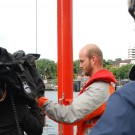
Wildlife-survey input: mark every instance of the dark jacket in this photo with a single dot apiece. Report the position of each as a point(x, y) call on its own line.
point(29, 118)
point(21, 112)
point(119, 116)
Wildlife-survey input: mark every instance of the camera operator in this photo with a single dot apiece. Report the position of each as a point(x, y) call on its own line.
point(19, 111)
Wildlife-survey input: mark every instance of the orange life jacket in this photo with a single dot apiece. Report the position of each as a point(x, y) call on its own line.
point(90, 120)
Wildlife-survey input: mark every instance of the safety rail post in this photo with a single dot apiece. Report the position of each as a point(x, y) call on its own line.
point(65, 58)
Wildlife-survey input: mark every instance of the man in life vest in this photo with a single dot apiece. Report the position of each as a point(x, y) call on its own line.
point(119, 116)
point(90, 104)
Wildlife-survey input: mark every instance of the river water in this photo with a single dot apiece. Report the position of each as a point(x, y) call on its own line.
point(52, 127)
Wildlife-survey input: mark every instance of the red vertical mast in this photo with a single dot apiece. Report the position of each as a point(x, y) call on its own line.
point(65, 58)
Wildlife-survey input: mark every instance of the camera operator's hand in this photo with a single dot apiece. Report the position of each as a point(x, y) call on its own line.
point(41, 101)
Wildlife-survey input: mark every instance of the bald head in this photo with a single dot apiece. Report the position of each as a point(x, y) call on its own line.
point(91, 49)
point(91, 59)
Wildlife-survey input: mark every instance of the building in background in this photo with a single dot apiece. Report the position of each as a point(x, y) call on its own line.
point(131, 52)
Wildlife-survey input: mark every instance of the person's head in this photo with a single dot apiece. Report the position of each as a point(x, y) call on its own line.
point(91, 59)
point(131, 8)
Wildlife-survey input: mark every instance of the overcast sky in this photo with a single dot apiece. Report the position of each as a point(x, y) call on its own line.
point(106, 23)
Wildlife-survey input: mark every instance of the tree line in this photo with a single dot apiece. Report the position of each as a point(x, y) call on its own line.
point(48, 68)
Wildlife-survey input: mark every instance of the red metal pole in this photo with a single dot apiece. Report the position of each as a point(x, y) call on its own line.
point(65, 58)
